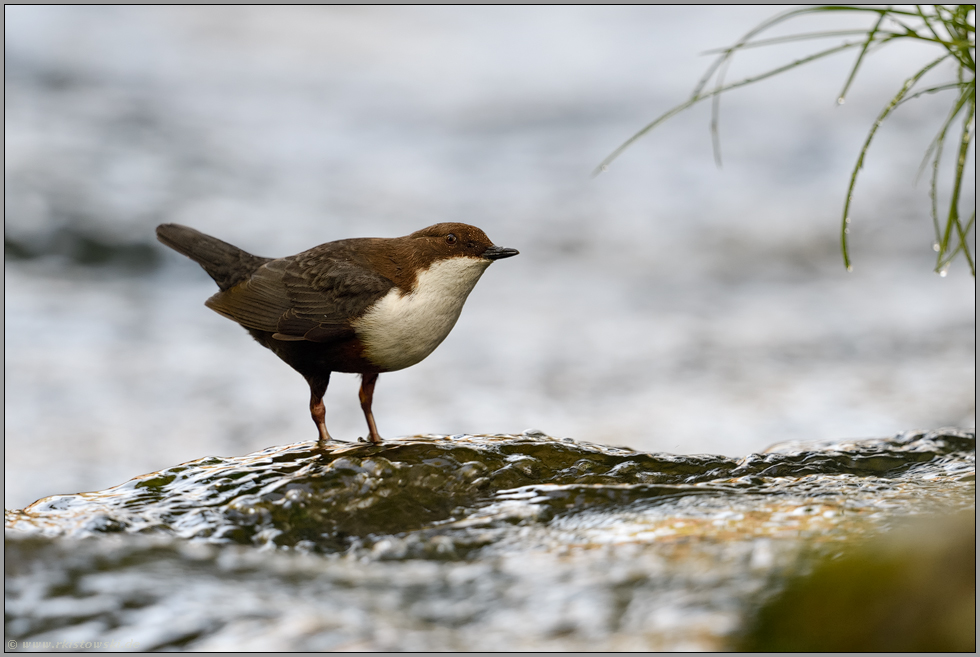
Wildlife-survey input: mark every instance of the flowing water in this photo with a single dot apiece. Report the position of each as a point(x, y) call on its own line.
point(498, 542)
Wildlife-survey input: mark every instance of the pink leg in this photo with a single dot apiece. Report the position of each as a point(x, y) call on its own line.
point(367, 396)
point(318, 410)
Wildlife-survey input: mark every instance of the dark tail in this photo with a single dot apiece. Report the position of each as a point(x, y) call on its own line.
point(226, 264)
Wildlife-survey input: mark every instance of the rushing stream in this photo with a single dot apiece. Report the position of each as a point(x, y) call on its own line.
point(459, 542)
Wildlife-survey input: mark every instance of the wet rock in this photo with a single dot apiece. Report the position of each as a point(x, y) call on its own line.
point(463, 542)
point(912, 589)
point(301, 494)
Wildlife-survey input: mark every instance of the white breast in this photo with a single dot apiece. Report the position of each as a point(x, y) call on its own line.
point(402, 329)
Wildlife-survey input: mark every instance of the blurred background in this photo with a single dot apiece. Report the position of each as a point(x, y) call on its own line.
point(666, 305)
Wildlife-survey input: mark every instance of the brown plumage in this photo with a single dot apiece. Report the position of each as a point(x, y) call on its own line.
point(366, 305)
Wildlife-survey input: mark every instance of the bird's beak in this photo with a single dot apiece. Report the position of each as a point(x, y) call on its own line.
point(499, 253)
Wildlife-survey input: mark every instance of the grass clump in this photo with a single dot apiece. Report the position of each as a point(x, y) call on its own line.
point(950, 28)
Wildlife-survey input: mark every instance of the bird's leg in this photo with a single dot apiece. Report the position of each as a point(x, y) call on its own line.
point(318, 388)
point(367, 395)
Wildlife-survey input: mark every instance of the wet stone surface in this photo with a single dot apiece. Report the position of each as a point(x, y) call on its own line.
point(462, 542)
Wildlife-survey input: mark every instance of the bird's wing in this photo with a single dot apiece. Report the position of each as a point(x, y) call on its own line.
point(311, 296)
point(257, 302)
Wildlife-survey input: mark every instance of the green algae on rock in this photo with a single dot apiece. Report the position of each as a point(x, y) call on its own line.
point(912, 589)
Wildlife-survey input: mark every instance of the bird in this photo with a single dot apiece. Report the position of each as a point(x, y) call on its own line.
point(362, 305)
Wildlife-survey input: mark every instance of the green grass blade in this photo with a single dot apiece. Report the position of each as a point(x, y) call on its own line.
point(729, 52)
point(694, 100)
point(953, 220)
point(936, 148)
point(864, 51)
point(932, 90)
point(909, 83)
point(790, 38)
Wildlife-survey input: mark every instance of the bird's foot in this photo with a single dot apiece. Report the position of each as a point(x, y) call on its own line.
point(330, 441)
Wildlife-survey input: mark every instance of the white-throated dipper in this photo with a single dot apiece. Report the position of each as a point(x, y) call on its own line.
point(366, 305)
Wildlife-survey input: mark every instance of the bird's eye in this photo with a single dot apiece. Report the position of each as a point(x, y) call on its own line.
point(450, 239)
